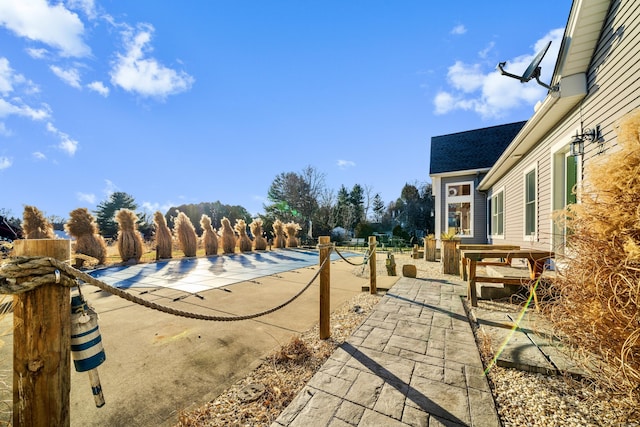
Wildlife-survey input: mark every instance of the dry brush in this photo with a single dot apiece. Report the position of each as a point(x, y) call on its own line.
point(209, 236)
point(164, 241)
point(597, 301)
point(129, 239)
point(84, 229)
point(35, 225)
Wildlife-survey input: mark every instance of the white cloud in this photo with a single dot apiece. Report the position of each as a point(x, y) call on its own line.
point(70, 76)
point(5, 162)
point(3, 130)
point(6, 76)
point(39, 155)
point(109, 187)
point(344, 164)
point(99, 87)
point(53, 25)
point(135, 72)
point(86, 197)
point(153, 207)
point(37, 53)
point(7, 108)
point(490, 94)
point(467, 78)
point(68, 145)
point(9, 79)
point(458, 29)
point(484, 53)
point(88, 7)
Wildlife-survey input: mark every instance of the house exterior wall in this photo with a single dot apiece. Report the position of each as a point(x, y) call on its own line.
point(613, 90)
point(479, 206)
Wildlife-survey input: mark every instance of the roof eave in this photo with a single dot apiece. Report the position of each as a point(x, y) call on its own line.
point(585, 20)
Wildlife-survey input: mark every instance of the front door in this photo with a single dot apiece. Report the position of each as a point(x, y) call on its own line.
point(565, 178)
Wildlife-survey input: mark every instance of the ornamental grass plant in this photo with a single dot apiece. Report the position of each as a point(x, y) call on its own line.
point(129, 239)
point(209, 236)
point(259, 242)
point(164, 240)
point(291, 231)
point(278, 231)
point(244, 242)
point(35, 225)
point(83, 228)
point(185, 235)
point(596, 301)
point(228, 237)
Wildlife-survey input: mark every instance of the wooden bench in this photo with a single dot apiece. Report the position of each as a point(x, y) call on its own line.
point(535, 261)
point(463, 261)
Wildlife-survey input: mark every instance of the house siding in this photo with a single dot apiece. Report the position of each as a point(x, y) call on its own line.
point(613, 90)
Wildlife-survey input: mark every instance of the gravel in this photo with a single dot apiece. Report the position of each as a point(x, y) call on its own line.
point(522, 398)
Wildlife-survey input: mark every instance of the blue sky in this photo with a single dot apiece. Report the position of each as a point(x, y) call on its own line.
point(197, 101)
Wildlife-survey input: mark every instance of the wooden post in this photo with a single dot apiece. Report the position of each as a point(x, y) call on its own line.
point(430, 249)
point(41, 344)
point(449, 257)
point(372, 265)
point(324, 242)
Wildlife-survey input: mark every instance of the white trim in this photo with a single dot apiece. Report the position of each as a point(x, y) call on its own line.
point(462, 199)
point(504, 213)
point(459, 173)
point(530, 237)
point(435, 187)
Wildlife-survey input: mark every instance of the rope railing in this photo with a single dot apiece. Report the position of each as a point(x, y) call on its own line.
point(51, 270)
point(367, 255)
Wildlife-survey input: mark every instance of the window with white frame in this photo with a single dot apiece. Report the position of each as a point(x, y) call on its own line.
point(497, 214)
point(530, 199)
point(460, 208)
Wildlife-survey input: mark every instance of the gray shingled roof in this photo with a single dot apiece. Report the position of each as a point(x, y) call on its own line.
point(472, 149)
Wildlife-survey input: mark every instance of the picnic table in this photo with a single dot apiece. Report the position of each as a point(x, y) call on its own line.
point(474, 246)
point(535, 261)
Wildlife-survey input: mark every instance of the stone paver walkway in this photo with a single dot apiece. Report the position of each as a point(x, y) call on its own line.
point(413, 362)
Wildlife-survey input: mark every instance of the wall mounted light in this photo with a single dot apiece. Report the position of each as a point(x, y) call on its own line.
point(577, 142)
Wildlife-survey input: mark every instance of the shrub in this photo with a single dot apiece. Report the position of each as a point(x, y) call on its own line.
point(291, 230)
point(244, 242)
point(259, 242)
point(597, 302)
point(209, 236)
point(186, 235)
point(228, 237)
point(129, 239)
point(35, 225)
point(164, 241)
point(83, 227)
point(278, 231)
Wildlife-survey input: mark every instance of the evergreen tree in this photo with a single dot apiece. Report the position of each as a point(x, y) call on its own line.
point(378, 208)
point(106, 210)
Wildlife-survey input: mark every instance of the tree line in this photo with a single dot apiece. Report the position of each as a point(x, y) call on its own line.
point(300, 197)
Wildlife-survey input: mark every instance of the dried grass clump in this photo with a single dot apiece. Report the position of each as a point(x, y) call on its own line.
point(186, 235)
point(228, 237)
point(278, 231)
point(244, 242)
point(82, 226)
point(259, 242)
point(129, 239)
point(164, 241)
point(291, 230)
point(209, 236)
point(597, 301)
point(35, 225)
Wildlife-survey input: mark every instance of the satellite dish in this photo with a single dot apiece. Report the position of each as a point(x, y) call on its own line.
point(534, 67)
point(532, 71)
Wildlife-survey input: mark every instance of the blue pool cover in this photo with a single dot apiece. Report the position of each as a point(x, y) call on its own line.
point(195, 275)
